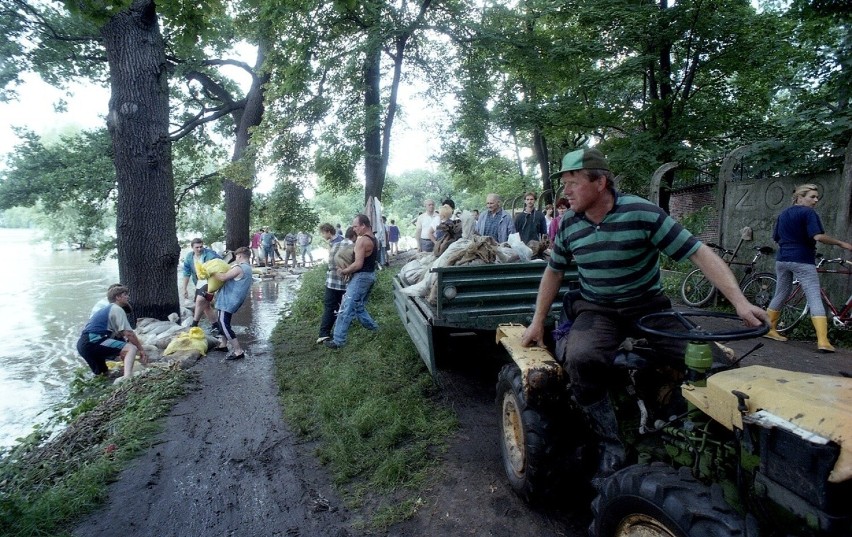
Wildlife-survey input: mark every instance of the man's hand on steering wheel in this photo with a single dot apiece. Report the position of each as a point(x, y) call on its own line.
point(752, 315)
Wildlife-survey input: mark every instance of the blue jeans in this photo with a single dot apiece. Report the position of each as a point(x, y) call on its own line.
point(353, 306)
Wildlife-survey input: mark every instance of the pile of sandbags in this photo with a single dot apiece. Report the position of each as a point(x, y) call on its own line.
point(469, 249)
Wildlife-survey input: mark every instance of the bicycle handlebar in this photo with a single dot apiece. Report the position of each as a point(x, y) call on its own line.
point(836, 261)
point(762, 250)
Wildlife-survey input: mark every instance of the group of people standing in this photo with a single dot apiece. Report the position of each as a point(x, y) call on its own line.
point(265, 248)
point(530, 223)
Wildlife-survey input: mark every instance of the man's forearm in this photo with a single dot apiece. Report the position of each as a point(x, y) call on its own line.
point(548, 289)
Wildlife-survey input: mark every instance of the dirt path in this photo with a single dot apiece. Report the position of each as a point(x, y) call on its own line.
point(227, 465)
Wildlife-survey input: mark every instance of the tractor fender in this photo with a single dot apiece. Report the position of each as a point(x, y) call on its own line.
point(541, 375)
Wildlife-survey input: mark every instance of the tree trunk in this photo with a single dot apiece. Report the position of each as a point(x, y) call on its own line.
point(138, 123)
point(238, 197)
point(374, 179)
point(543, 159)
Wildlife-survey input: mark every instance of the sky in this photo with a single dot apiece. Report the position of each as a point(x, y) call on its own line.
point(412, 145)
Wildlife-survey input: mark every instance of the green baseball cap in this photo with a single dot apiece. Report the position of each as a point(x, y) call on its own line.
point(582, 159)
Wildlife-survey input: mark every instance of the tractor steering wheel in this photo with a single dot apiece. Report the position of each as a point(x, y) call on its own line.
point(694, 331)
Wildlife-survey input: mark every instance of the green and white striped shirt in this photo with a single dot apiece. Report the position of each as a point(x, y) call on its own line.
point(618, 259)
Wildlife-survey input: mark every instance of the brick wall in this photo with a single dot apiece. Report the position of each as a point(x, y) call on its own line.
point(686, 201)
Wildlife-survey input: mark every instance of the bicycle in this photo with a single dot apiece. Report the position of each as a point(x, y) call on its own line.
point(795, 308)
point(697, 291)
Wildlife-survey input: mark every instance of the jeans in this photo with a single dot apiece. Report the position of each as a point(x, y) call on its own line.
point(353, 306)
point(331, 303)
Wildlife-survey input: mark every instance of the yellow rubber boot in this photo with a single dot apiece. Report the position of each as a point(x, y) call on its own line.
point(821, 327)
point(773, 322)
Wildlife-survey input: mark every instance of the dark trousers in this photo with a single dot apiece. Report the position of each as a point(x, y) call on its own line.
point(331, 302)
point(596, 335)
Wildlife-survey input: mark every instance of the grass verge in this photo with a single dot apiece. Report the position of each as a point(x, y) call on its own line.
point(371, 406)
point(47, 481)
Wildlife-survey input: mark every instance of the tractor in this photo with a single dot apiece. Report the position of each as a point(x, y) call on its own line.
point(714, 449)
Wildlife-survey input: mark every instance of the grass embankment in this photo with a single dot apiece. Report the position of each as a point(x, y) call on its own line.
point(370, 405)
point(47, 483)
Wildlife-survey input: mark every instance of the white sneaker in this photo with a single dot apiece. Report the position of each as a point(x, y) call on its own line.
point(321, 339)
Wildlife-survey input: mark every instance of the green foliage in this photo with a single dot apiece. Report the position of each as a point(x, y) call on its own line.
point(51, 480)
point(19, 217)
point(285, 209)
point(651, 83)
point(71, 182)
point(97, 11)
point(370, 406)
point(696, 221)
point(77, 168)
point(338, 207)
point(203, 220)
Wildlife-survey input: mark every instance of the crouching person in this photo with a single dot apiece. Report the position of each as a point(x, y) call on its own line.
point(109, 336)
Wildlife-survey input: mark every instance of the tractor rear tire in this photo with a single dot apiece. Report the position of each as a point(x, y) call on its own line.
point(660, 501)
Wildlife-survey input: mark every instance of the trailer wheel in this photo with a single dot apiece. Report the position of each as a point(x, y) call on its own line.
point(659, 501)
point(527, 439)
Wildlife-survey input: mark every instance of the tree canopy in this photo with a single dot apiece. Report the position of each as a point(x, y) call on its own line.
point(648, 81)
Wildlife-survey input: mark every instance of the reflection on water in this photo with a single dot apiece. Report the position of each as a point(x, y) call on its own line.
point(45, 299)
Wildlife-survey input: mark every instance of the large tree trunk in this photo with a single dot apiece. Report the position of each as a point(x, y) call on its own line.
point(238, 197)
point(138, 123)
point(373, 177)
point(543, 158)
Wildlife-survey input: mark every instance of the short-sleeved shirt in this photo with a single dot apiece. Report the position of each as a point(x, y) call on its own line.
point(618, 259)
point(794, 232)
point(393, 233)
point(426, 223)
point(107, 321)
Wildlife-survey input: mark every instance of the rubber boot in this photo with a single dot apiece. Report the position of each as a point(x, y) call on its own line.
point(605, 425)
point(773, 322)
point(821, 327)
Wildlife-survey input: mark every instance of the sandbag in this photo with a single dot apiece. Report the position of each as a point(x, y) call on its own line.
point(192, 340)
point(209, 268)
point(345, 256)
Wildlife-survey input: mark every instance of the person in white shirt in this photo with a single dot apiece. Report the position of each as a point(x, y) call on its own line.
point(425, 227)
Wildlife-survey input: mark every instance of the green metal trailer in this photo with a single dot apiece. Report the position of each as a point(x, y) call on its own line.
point(473, 300)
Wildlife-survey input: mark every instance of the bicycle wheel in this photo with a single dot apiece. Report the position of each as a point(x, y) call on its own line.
point(759, 289)
point(793, 310)
point(696, 290)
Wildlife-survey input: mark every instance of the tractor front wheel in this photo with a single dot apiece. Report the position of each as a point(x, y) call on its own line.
point(660, 501)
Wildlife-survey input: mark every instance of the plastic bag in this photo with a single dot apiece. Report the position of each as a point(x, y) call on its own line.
point(209, 268)
point(523, 251)
point(192, 340)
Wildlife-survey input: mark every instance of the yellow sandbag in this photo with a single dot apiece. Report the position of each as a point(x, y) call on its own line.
point(193, 340)
point(214, 266)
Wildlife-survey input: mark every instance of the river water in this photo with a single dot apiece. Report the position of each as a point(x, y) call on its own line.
point(45, 300)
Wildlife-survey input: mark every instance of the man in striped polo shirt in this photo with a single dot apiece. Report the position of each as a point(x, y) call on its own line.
point(616, 239)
